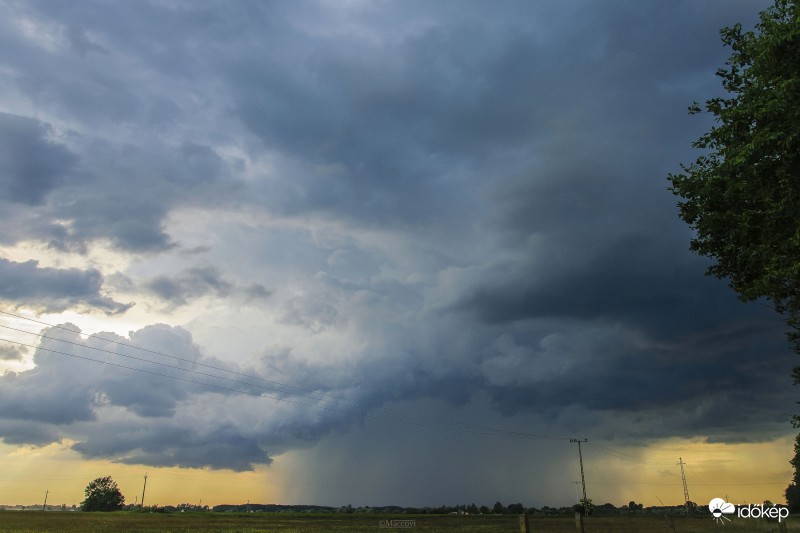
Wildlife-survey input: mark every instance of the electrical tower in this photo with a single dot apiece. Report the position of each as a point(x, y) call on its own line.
point(685, 487)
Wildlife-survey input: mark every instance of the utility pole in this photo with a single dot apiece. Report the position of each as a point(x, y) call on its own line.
point(44, 506)
point(583, 479)
point(685, 487)
point(143, 489)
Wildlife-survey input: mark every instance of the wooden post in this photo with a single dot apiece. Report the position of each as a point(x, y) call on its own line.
point(524, 526)
point(579, 521)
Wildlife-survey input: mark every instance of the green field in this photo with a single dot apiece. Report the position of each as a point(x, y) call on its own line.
point(33, 521)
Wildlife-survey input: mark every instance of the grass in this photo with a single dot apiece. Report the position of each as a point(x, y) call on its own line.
point(125, 522)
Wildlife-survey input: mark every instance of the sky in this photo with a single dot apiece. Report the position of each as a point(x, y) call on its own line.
point(371, 253)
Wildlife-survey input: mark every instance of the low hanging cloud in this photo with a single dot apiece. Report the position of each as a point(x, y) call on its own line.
point(52, 289)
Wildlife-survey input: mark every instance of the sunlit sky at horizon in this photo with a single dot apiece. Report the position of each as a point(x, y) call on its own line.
point(449, 216)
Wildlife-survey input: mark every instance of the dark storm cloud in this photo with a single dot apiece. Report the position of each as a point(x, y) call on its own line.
point(27, 433)
point(131, 189)
point(396, 123)
point(48, 45)
point(163, 444)
point(592, 244)
point(718, 381)
point(31, 165)
point(390, 128)
point(635, 280)
point(54, 289)
point(383, 127)
point(122, 195)
point(74, 65)
point(648, 334)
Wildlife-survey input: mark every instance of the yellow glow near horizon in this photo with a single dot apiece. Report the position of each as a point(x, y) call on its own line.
point(740, 473)
point(27, 472)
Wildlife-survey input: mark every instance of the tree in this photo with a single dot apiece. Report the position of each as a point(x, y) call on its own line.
point(515, 508)
point(793, 490)
point(742, 197)
point(102, 494)
point(498, 508)
point(584, 506)
point(633, 506)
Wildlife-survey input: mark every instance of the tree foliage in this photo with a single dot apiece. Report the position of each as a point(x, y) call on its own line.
point(515, 508)
point(584, 506)
point(793, 490)
point(102, 494)
point(742, 195)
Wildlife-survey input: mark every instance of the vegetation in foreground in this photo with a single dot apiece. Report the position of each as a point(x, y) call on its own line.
point(740, 195)
point(125, 521)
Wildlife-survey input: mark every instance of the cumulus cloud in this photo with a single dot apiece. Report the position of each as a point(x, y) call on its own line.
point(155, 399)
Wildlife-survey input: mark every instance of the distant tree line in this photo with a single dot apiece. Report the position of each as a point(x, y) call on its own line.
point(470, 509)
point(102, 494)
